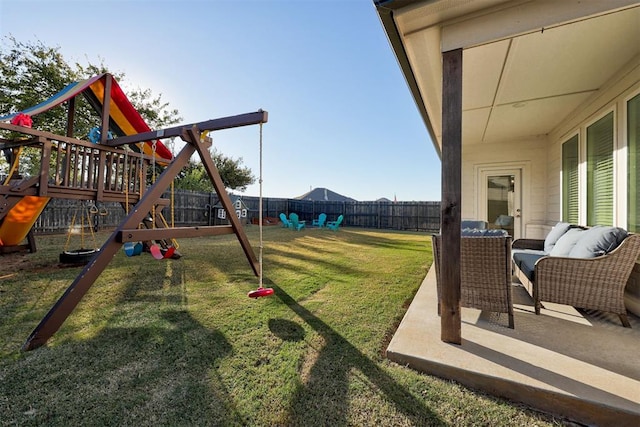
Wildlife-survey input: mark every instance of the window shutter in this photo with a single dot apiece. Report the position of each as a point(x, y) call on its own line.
point(600, 172)
point(570, 181)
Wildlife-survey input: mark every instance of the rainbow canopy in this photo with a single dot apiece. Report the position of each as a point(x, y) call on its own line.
point(124, 119)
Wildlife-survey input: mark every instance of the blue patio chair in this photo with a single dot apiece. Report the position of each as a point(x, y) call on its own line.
point(333, 225)
point(322, 218)
point(285, 222)
point(296, 224)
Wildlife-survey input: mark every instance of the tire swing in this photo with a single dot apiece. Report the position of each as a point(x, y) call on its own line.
point(261, 291)
point(82, 255)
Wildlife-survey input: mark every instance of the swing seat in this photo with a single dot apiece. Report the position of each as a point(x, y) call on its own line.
point(260, 292)
point(137, 249)
point(168, 253)
point(129, 248)
point(156, 252)
point(132, 249)
point(77, 257)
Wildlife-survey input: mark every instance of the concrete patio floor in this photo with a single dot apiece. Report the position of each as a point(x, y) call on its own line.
point(583, 366)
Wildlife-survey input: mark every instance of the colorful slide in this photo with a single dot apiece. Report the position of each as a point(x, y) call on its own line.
point(20, 219)
point(124, 120)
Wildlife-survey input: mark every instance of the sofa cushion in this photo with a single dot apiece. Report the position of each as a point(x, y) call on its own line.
point(496, 232)
point(598, 240)
point(526, 263)
point(527, 251)
point(556, 232)
point(477, 232)
point(566, 243)
point(472, 223)
point(472, 232)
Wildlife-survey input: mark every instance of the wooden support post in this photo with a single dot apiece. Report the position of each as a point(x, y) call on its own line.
point(450, 319)
point(101, 175)
point(74, 293)
point(71, 112)
point(31, 242)
point(45, 157)
point(106, 105)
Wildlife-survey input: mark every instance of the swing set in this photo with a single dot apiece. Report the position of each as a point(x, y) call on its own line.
point(115, 170)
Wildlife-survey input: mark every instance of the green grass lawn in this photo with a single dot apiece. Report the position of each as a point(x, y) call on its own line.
point(177, 342)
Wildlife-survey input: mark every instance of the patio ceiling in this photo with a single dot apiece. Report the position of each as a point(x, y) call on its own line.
point(522, 78)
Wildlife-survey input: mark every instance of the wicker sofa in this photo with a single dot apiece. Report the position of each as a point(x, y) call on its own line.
point(582, 267)
point(485, 270)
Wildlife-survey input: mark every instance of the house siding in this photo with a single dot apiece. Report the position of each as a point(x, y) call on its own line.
point(613, 98)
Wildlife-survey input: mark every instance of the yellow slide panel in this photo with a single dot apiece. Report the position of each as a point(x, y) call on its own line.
point(20, 219)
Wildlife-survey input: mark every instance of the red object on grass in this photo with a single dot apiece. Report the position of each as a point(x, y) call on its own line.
point(169, 252)
point(260, 292)
point(22, 119)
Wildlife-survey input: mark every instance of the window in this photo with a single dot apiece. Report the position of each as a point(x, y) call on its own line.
point(600, 172)
point(570, 195)
point(633, 137)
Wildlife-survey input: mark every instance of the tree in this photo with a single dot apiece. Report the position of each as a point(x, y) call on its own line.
point(31, 72)
point(234, 175)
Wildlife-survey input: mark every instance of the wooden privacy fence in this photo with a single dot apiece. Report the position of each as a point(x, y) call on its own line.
point(190, 208)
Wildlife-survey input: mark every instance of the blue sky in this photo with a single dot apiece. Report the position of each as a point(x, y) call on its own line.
point(340, 113)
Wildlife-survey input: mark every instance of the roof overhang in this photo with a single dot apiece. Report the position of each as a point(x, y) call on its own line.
point(527, 65)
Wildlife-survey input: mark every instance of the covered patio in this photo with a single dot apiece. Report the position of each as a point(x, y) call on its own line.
point(517, 97)
point(576, 364)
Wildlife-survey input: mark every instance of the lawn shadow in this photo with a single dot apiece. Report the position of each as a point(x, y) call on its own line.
point(286, 330)
point(160, 368)
point(163, 373)
point(325, 389)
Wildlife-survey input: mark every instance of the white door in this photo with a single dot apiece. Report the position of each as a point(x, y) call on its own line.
point(500, 199)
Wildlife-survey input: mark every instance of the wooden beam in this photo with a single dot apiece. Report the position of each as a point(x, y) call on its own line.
point(450, 319)
point(106, 106)
point(71, 113)
point(45, 157)
point(143, 235)
point(212, 125)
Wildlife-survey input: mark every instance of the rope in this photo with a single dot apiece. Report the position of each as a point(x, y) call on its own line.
point(73, 222)
point(260, 213)
point(126, 184)
point(173, 155)
point(153, 180)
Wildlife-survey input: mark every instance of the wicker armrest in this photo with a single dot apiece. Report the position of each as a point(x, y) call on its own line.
point(537, 244)
point(590, 283)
